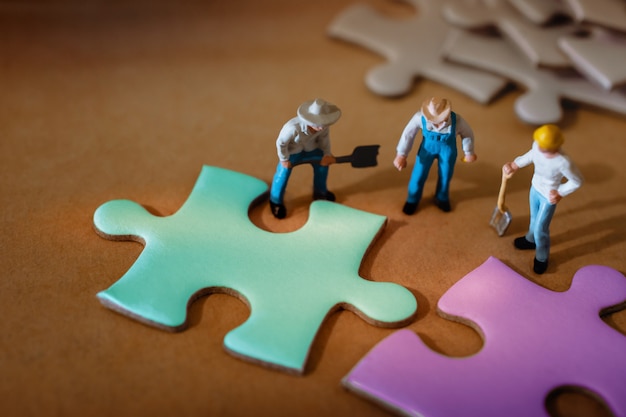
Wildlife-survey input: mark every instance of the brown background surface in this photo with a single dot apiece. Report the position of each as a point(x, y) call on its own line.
point(106, 100)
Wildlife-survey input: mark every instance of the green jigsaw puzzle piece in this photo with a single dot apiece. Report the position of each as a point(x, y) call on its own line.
point(291, 281)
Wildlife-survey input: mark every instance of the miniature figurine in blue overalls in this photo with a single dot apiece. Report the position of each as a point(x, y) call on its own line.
point(304, 139)
point(440, 127)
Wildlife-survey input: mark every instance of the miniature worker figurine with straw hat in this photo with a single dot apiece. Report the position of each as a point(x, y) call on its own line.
point(547, 189)
point(304, 139)
point(440, 127)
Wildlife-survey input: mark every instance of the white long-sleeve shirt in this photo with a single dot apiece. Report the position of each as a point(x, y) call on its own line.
point(295, 137)
point(411, 130)
point(549, 172)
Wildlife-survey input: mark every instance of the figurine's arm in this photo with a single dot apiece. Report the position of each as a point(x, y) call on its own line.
point(323, 142)
point(574, 180)
point(406, 141)
point(520, 162)
point(285, 137)
point(464, 130)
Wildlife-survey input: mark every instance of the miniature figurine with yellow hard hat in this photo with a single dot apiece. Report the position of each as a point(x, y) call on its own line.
point(547, 189)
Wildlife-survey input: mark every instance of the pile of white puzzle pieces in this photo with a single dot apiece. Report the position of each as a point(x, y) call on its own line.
point(553, 49)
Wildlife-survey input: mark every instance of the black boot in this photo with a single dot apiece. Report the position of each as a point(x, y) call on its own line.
point(278, 210)
point(540, 266)
point(523, 243)
point(444, 205)
point(409, 208)
point(328, 196)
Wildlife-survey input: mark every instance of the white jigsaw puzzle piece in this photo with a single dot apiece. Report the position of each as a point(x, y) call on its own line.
point(607, 13)
point(412, 48)
point(538, 44)
point(601, 57)
point(540, 104)
point(540, 12)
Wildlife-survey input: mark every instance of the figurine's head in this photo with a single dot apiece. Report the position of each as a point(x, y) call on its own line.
point(436, 110)
point(549, 138)
point(318, 113)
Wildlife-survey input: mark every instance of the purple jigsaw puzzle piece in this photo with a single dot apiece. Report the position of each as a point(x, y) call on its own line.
point(535, 340)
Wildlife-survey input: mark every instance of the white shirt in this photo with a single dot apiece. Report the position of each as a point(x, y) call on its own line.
point(415, 124)
point(295, 137)
point(549, 172)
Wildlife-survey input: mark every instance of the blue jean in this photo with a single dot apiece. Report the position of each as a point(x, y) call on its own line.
point(541, 212)
point(281, 177)
point(430, 149)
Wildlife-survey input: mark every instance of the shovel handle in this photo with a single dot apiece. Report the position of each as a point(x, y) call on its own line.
point(502, 192)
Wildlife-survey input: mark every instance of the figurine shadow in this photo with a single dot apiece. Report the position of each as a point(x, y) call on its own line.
point(318, 348)
point(378, 179)
point(475, 174)
point(484, 179)
point(365, 272)
point(608, 229)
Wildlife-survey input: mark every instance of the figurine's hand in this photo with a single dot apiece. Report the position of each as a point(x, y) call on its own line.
point(554, 197)
point(400, 162)
point(469, 157)
point(509, 168)
point(327, 160)
point(286, 164)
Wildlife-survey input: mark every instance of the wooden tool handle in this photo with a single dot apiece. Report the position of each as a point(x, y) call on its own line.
point(502, 192)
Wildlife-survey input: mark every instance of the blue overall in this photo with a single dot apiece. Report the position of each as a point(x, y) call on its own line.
point(281, 177)
point(441, 146)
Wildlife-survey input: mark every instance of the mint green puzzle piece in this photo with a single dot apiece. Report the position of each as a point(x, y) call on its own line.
point(291, 281)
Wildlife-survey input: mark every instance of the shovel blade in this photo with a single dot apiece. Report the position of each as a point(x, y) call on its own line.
point(500, 220)
point(365, 156)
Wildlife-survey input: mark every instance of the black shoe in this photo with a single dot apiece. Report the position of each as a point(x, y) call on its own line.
point(409, 208)
point(278, 210)
point(540, 266)
point(444, 205)
point(523, 243)
point(328, 196)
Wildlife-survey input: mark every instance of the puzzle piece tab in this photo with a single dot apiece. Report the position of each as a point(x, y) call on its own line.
point(541, 102)
point(413, 48)
point(538, 44)
point(291, 281)
point(535, 340)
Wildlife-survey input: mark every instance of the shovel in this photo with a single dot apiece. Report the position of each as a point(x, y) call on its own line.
point(361, 157)
point(501, 217)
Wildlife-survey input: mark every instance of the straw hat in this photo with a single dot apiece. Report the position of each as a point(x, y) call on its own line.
point(319, 112)
point(436, 109)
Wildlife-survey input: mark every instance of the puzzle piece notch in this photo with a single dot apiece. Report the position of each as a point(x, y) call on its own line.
point(540, 104)
point(538, 44)
point(291, 281)
point(535, 340)
point(412, 48)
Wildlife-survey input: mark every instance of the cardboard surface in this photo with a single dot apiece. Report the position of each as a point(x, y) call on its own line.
point(128, 100)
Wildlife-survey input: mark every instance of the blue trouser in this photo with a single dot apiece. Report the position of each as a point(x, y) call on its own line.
point(430, 149)
point(281, 177)
point(541, 212)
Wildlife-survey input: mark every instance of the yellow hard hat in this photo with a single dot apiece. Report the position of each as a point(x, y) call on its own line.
point(549, 137)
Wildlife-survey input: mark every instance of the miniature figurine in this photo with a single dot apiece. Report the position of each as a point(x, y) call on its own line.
point(551, 166)
point(439, 126)
point(305, 139)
